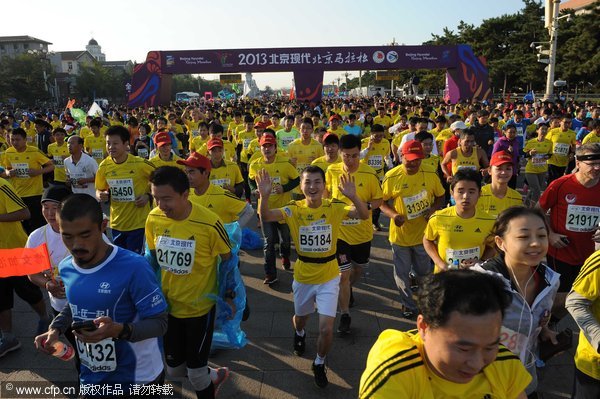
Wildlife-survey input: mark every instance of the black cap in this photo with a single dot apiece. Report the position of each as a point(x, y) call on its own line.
point(55, 193)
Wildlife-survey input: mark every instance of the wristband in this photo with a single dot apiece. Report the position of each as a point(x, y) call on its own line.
point(125, 332)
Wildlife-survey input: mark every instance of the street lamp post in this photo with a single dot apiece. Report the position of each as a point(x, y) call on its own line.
point(552, 18)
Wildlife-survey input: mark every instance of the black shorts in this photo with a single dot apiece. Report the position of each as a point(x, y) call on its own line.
point(568, 273)
point(24, 288)
point(357, 254)
point(188, 340)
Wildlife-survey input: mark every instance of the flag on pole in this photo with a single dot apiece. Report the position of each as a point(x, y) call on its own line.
point(529, 96)
point(24, 261)
point(70, 103)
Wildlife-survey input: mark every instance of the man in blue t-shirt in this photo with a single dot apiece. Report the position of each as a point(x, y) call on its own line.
point(520, 123)
point(117, 290)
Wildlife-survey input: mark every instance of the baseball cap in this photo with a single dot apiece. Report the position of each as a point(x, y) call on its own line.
point(212, 143)
point(161, 139)
point(500, 158)
point(334, 116)
point(260, 125)
point(458, 125)
point(331, 138)
point(55, 194)
point(196, 160)
point(412, 150)
point(267, 139)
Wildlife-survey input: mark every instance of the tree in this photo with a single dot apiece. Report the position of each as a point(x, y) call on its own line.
point(22, 78)
point(96, 81)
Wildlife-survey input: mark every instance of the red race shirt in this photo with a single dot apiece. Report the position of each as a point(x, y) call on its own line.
point(574, 212)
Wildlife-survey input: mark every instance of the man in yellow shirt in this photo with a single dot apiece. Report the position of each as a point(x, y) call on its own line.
point(563, 148)
point(497, 196)
point(186, 241)
point(455, 350)
point(331, 146)
point(200, 137)
point(215, 131)
point(58, 152)
point(354, 244)
point(224, 173)
point(95, 144)
point(410, 195)
point(594, 135)
point(164, 154)
point(25, 165)
point(583, 302)
point(314, 223)
point(122, 178)
point(284, 178)
point(465, 156)
point(459, 236)
point(335, 126)
point(305, 149)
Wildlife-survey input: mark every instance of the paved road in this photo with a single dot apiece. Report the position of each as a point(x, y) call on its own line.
point(266, 367)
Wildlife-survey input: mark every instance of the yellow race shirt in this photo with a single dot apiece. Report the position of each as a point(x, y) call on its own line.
point(538, 163)
point(158, 162)
point(281, 172)
point(458, 238)
point(338, 132)
point(355, 231)
point(322, 163)
point(192, 127)
point(315, 233)
point(31, 133)
point(58, 156)
point(384, 121)
point(228, 174)
point(413, 196)
point(442, 137)
point(96, 147)
point(591, 137)
point(463, 161)
point(197, 142)
point(587, 284)
point(10, 202)
point(125, 182)
point(187, 252)
point(376, 156)
point(493, 205)
point(31, 158)
point(251, 153)
point(561, 146)
point(85, 132)
point(396, 368)
point(222, 202)
point(303, 153)
point(244, 138)
point(431, 162)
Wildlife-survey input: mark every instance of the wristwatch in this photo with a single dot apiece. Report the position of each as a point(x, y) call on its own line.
point(125, 332)
point(369, 206)
point(230, 295)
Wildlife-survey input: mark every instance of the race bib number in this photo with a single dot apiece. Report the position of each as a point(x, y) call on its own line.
point(350, 222)
point(376, 161)
point(175, 255)
point(466, 257)
point(142, 152)
point(582, 218)
point(561, 149)
point(98, 153)
point(315, 238)
point(416, 205)
point(21, 170)
point(59, 162)
point(300, 167)
point(221, 182)
point(275, 180)
point(246, 143)
point(286, 141)
point(538, 160)
point(98, 357)
point(519, 131)
point(121, 190)
point(466, 167)
point(513, 340)
point(195, 133)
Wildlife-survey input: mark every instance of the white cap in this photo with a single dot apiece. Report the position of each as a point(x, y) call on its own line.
point(458, 125)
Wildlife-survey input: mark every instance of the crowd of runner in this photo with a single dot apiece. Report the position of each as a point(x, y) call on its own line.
point(493, 209)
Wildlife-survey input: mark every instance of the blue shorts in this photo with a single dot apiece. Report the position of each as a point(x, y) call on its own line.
point(132, 240)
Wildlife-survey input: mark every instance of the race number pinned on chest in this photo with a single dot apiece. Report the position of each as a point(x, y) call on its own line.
point(582, 218)
point(466, 257)
point(59, 162)
point(142, 152)
point(98, 153)
point(121, 190)
point(561, 149)
point(538, 160)
point(275, 180)
point(98, 357)
point(513, 340)
point(375, 161)
point(221, 182)
point(175, 255)
point(21, 170)
point(246, 143)
point(416, 205)
point(315, 238)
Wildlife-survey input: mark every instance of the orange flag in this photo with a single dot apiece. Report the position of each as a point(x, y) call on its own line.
point(24, 261)
point(70, 103)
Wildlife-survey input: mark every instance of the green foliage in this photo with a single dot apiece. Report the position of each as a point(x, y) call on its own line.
point(195, 84)
point(95, 79)
point(22, 78)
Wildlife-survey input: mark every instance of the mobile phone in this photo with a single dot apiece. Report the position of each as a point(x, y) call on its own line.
point(85, 325)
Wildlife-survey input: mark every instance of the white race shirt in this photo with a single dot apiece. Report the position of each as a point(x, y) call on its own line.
point(85, 168)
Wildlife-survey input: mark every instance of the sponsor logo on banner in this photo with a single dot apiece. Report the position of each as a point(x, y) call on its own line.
point(392, 56)
point(378, 56)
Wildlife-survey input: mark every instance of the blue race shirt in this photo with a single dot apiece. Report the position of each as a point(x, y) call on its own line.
point(124, 288)
point(353, 130)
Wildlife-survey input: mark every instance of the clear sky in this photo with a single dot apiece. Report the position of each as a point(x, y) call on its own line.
point(128, 29)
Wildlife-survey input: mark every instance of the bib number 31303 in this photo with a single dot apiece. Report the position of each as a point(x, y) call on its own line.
point(98, 357)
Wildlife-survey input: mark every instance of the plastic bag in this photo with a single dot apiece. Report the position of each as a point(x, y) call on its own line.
point(251, 240)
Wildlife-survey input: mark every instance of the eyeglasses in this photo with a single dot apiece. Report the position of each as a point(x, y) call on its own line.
point(591, 165)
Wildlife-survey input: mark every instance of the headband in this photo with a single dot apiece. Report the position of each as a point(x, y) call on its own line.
point(588, 157)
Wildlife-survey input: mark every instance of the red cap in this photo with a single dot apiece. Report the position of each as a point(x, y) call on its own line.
point(196, 160)
point(162, 138)
point(212, 143)
point(334, 116)
point(332, 135)
point(412, 150)
point(500, 158)
point(261, 125)
point(267, 139)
